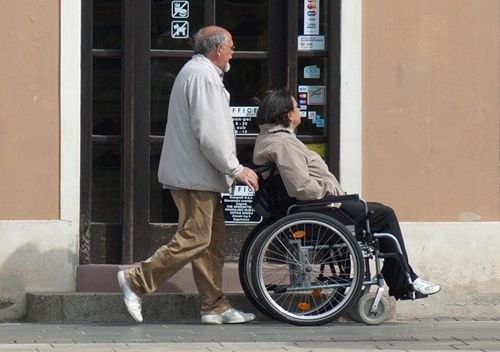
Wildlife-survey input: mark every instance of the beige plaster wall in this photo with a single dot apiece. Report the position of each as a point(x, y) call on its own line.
point(29, 110)
point(431, 112)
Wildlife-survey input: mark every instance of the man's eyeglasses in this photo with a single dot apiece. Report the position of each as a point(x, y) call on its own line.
point(233, 48)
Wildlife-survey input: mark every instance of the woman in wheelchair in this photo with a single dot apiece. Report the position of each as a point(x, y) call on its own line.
point(306, 177)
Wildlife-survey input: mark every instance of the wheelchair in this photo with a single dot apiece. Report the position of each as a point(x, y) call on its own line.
point(307, 268)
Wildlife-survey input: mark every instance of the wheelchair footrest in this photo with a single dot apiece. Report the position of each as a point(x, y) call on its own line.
point(418, 295)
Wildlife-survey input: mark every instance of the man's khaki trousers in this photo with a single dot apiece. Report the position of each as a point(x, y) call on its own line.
point(200, 239)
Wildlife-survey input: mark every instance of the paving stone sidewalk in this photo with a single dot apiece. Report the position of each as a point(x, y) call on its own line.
point(404, 335)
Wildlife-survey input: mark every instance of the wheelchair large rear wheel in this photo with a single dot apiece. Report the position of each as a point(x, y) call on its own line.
point(244, 265)
point(307, 269)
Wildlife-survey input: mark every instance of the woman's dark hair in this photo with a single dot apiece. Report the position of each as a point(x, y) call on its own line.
point(275, 107)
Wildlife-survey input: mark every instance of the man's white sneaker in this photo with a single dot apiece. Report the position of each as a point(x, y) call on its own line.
point(425, 287)
point(132, 301)
point(231, 316)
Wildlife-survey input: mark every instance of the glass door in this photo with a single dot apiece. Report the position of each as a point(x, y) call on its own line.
point(132, 51)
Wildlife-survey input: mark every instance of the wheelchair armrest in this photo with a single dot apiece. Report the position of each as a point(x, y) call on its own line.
point(328, 200)
point(324, 201)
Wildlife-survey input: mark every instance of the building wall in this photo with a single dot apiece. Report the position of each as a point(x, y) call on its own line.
point(29, 122)
point(431, 108)
point(39, 149)
point(429, 128)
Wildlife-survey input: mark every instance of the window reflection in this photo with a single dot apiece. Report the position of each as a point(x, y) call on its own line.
point(107, 24)
point(250, 27)
point(245, 155)
point(106, 183)
point(162, 206)
point(107, 97)
point(163, 73)
point(247, 82)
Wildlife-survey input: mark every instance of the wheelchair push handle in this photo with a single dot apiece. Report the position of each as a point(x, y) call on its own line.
point(261, 169)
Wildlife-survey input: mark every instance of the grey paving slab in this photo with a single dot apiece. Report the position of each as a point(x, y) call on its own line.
point(194, 347)
point(410, 335)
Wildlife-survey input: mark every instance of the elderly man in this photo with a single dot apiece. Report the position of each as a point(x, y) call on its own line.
point(198, 162)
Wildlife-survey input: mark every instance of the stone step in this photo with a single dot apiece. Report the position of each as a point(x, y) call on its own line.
point(105, 307)
point(98, 298)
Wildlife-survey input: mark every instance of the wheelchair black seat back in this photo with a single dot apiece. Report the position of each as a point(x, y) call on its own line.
point(307, 268)
point(272, 199)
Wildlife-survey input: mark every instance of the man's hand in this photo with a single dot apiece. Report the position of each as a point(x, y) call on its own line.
point(250, 178)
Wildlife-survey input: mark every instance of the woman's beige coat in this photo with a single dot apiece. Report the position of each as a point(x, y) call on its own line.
point(304, 173)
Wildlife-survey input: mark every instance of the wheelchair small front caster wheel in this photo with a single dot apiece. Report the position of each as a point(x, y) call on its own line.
point(364, 309)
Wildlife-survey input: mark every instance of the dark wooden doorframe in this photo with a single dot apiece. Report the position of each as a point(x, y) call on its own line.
point(136, 131)
point(86, 135)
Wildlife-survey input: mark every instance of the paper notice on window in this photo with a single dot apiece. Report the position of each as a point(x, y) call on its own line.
point(312, 71)
point(311, 17)
point(316, 95)
point(311, 42)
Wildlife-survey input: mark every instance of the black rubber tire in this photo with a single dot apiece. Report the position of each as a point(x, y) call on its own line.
point(244, 264)
point(352, 313)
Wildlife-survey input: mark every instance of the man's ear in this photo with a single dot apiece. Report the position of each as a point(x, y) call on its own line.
point(219, 49)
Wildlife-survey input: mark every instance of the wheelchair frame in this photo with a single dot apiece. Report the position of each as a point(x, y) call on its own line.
point(283, 263)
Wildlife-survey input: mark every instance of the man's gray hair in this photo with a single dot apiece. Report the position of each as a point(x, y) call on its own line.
point(205, 43)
